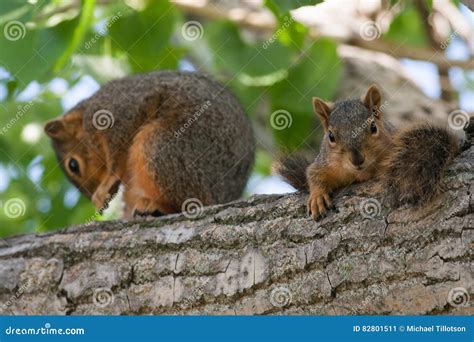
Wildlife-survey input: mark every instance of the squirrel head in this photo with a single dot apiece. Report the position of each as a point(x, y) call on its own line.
point(353, 129)
point(77, 153)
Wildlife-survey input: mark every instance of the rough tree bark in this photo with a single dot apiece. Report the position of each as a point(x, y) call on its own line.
point(257, 256)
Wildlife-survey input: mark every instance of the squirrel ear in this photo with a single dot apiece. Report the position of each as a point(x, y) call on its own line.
point(373, 100)
point(55, 128)
point(67, 125)
point(322, 109)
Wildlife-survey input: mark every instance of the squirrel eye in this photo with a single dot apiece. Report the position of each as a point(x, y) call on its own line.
point(73, 165)
point(331, 137)
point(373, 127)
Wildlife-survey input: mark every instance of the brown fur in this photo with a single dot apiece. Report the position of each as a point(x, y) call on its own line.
point(69, 140)
point(416, 164)
point(175, 136)
point(141, 192)
point(409, 163)
point(293, 170)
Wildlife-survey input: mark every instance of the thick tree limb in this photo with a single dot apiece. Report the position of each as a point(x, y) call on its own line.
point(469, 4)
point(257, 256)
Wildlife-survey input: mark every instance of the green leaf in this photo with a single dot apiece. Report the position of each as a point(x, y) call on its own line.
point(292, 33)
point(21, 10)
point(249, 96)
point(289, 32)
point(31, 53)
point(14, 11)
point(286, 5)
point(272, 6)
point(12, 85)
point(407, 28)
point(247, 62)
point(429, 3)
point(316, 74)
point(85, 20)
point(263, 163)
point(144, 36)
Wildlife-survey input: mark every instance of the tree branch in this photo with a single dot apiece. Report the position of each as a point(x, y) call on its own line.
point(469, 4)
point(448, 93)
point(266, 23)
point(257, 256)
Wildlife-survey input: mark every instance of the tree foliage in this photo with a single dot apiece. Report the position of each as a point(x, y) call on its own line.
point(50, 50)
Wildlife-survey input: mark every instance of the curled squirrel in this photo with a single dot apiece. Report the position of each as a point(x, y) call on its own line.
point(359, 144)
point(166, 136)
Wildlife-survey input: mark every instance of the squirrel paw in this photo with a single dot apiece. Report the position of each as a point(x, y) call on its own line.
point(155, 213)
point(104, 193)
point(145, 207)
point(101, 200)
point(318, 201)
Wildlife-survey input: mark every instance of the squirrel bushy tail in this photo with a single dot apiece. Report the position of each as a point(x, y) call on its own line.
point(293, 170)
point(416, 164)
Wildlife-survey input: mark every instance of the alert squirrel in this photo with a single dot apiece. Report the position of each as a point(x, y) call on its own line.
point(359, 144)
point(167, 136)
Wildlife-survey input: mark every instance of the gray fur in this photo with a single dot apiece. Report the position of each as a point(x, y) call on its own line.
point(210, 160)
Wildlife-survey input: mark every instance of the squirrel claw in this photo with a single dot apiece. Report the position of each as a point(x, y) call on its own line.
point(318, 204)
point(101, 200)
point(104, 193)
point(155, 213)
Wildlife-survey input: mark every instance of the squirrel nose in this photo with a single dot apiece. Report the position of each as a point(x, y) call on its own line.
point(357, 158)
